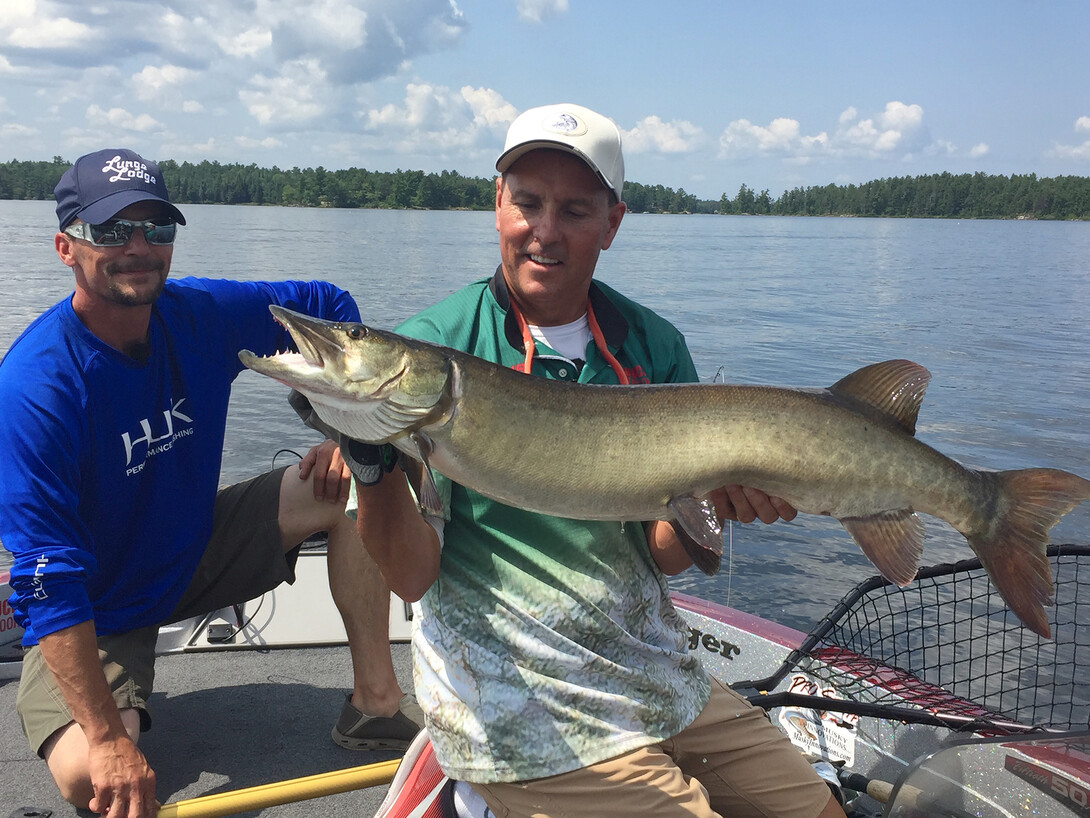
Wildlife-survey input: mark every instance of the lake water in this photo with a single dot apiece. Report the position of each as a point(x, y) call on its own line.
point(996, 310)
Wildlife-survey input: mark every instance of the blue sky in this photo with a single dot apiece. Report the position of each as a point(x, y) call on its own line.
point(709, 95)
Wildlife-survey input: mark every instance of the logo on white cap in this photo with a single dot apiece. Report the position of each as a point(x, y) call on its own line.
point(565, 124)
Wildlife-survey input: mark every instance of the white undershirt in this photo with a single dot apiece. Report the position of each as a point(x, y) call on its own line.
point(570, 340)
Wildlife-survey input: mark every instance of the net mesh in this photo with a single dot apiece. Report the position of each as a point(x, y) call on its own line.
point(948, 644)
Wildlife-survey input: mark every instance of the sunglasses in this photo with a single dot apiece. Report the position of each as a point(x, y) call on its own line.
point(118, 232)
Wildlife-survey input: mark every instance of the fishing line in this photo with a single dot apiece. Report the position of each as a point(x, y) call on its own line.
point(730, 557)
point(719, 377)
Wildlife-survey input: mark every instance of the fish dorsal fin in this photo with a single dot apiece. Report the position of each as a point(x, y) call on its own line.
point(894, 388)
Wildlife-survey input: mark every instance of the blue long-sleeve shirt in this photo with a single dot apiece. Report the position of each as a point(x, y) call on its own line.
point(111, 466)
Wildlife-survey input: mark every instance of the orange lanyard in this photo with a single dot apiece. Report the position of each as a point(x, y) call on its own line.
point(595, 332)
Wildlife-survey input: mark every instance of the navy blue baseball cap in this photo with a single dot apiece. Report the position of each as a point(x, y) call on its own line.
point(101, 184)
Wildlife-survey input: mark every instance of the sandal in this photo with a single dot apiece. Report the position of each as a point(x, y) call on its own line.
point(358, 731)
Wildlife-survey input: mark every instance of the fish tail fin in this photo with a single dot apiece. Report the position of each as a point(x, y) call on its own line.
point(1028, 503)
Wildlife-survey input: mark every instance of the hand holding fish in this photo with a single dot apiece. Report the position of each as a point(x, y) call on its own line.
point(325, 459)
point(744, 505)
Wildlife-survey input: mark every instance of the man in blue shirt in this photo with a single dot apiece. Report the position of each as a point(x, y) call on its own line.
point(113, 406)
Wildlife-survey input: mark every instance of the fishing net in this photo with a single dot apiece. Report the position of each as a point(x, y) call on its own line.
point(948, 646)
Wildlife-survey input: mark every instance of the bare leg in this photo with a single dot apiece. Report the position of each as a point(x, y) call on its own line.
point(363, 600)
point(66, 754)
point(360, 593)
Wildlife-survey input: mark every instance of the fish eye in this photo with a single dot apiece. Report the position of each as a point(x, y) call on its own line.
point(356, 331)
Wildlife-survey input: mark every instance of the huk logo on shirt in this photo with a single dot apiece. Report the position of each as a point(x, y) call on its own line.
point(156, 435)
point(127, 169)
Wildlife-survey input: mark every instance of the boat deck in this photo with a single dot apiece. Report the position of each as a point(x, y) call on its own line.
point(224, 721)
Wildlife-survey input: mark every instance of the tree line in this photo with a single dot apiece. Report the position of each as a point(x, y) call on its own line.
point(943, 195)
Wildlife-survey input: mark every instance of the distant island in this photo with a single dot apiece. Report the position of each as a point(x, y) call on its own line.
point(940, 195)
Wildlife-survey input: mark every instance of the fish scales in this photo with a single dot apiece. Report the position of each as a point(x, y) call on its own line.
point(600, 452)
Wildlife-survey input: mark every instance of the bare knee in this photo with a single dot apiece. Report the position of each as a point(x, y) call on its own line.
point(66, 755)
point(301, 514)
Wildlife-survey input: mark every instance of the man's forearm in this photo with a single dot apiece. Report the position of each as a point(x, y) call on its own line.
point(72, 656)
point(401, 542)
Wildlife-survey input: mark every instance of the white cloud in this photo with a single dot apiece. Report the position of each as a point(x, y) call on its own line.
point(150, 82)
point(190, 150)
point(1075, 151)
point(120, 119)
point(33, 25)
point(13, 130)
point(333, 24)
point(254, 67)
point(361, 40)
point(354, 40)
point(941, 147)
point(248, 43)
point(979, 150)
point(537, 11)
point(901, 117)
point(896, 128)
point(782, 135)
point(90, 83)
point(17, 12)
point(249, 143)
point(293, 97)
point(489, 108)
point(52, 34)
point(880, 134)
point(425, 107)
point(433, 119)
point(652, 135)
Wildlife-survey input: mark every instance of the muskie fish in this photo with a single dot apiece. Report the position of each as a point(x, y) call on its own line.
point(651, 452)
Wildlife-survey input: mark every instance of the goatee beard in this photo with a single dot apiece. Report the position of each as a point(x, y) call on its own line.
point(136, 298)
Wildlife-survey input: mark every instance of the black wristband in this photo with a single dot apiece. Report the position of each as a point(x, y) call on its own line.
point(368, 462)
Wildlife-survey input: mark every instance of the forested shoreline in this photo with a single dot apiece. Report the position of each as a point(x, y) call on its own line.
point(942, 195)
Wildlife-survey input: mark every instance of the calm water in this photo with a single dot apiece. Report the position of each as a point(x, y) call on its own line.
point(996, 310)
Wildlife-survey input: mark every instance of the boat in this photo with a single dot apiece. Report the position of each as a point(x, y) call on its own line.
point(928, 700)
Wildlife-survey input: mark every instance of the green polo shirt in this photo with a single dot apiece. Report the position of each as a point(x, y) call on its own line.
point(549, 644)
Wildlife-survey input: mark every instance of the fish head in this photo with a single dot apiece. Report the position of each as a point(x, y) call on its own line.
point(366, 383)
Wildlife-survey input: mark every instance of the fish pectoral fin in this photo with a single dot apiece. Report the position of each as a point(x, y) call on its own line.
point(892, 540)
point(699, 532)
point(428, 495)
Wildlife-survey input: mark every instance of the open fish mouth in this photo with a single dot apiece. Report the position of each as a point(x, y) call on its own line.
point(310, 353)
point(316, 348)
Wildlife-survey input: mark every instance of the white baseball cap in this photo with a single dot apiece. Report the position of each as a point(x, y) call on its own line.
point(572, 128)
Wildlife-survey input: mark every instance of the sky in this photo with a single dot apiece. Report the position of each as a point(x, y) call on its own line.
point(708, 94)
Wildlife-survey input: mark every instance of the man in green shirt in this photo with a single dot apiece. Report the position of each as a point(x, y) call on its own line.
point(549, 659)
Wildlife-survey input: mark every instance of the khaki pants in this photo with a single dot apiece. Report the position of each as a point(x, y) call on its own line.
point(731, 761)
